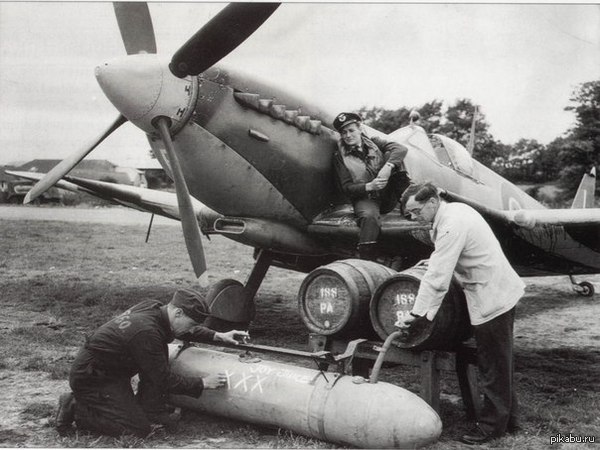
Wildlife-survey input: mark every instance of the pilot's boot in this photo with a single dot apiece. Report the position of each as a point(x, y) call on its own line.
point(367, 251)
point(65, 414)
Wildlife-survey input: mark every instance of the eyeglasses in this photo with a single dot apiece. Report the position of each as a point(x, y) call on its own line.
point(415, 211)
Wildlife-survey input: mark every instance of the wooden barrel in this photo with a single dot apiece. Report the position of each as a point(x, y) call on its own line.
point(334, 299)
point(394, 300)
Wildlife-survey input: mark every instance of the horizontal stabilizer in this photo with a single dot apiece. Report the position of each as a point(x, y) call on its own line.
point(530, 218)
point(147, 200)
point(584, 198)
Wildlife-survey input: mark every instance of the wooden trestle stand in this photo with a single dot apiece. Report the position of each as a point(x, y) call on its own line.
point(430, 362)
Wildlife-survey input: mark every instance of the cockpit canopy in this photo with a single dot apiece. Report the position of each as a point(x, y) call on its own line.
point(453, 154)
point(445, 150)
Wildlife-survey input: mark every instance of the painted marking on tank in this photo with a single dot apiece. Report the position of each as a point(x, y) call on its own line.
point(242, 382)
point(250, 380)
point(281, 373)
point(245, 381)
point(257, 384)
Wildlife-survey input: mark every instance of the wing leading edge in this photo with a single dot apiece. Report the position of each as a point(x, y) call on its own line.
point(147, 200)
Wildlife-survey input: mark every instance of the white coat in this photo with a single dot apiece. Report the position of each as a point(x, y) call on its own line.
point(466, 247)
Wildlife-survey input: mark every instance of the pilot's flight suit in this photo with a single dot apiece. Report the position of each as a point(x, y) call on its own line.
point(133, 343)
point(357, 166)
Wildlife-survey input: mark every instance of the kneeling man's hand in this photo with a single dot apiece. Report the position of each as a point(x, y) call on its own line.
point(215, 381)
point(232, 337)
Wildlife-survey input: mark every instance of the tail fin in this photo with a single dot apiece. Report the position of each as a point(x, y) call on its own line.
point(584, 198)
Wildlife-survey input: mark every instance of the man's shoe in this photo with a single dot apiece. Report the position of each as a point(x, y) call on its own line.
point(65, 414)
point(476, 436)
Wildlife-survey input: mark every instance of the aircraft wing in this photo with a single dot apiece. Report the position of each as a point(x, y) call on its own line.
point(147, 200)
point(342, 221)
point(531, 218)
point(402, 238)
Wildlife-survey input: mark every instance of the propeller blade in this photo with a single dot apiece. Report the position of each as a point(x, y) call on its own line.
point(189, 223)
point(136, 28)
point(223, 33)
point(65, 166)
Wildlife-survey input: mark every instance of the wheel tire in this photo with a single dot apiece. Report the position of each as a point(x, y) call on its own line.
point(587, 289)
point(215, 289)
point(220, 320)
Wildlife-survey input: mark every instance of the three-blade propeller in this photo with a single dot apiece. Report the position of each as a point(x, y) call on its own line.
point(216, 39)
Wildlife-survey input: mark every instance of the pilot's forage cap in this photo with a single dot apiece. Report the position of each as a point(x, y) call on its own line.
point(192, 304)
point(344, 119)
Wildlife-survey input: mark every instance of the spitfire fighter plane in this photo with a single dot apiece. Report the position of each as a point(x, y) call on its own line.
point(254, 163)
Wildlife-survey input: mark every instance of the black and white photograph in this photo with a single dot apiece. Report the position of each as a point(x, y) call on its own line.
point(299, 225)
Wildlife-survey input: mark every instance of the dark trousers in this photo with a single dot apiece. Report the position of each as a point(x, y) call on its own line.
point(496, 370)
point(105, 404)
point(369, 220)
point(369, 210)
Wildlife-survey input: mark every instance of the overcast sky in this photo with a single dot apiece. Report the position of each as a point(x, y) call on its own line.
point(519, 62)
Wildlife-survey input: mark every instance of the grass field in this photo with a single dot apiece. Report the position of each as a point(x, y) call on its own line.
point(61, 280)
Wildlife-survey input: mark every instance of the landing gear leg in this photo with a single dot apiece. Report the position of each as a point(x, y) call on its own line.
point(231, 303)
point(585, 288)
point(262, 264)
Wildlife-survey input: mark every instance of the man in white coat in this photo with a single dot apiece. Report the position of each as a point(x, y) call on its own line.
point(466, 247)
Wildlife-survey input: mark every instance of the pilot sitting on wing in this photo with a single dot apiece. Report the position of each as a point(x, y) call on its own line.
point(371, 173)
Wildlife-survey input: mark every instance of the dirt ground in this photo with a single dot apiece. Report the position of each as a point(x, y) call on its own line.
point(60, 279)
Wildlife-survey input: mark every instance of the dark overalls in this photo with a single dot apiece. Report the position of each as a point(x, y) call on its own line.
point(355, 168)
point(133, 343)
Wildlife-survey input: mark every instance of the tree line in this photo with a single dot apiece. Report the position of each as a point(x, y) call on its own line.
point(563, 161)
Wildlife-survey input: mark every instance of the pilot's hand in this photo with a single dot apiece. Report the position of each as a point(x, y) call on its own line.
point(376, 185)
point(215, 381)
point(385, 171)
point(406, 322)
point(232, 337)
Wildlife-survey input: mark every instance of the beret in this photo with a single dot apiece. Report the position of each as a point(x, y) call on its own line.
point(192, 304)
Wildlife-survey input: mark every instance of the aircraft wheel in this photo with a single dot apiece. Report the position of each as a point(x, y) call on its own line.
point(229, 307)
point(587, 289)
point(227, 284)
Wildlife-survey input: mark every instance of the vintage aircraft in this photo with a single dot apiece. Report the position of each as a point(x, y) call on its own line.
point(260, 162)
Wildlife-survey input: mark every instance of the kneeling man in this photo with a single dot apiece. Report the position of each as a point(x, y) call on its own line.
point(102, 399)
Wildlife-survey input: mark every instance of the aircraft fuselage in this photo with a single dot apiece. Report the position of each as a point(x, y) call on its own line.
point(249, 150)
